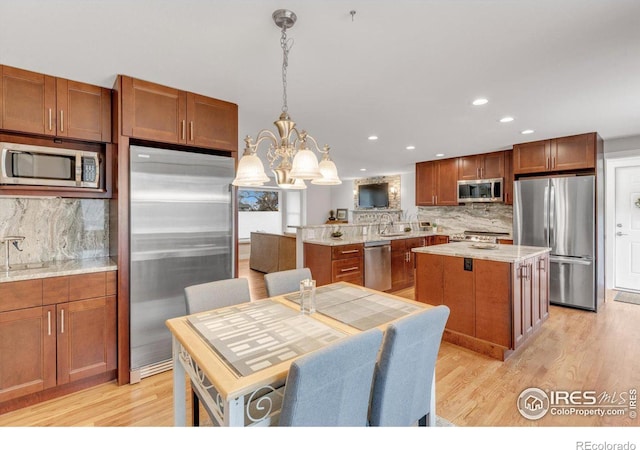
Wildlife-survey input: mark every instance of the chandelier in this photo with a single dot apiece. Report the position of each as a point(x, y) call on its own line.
point(289, 155)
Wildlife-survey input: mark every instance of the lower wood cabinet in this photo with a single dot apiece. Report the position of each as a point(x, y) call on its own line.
point(403, 259)
point(329, 264)
point(69, 336)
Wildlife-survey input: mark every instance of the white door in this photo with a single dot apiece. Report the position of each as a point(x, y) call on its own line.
point(627, 235)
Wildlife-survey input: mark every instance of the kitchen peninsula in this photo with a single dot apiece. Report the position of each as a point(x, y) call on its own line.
point(498, 294)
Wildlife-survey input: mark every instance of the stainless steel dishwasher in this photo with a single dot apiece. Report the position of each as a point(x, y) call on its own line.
point(377, 265)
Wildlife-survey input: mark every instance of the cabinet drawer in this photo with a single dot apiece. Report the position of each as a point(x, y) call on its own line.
point(347, 251)
point(88, 285)
point(20, 294)
point(55, 290)
point(346, 268)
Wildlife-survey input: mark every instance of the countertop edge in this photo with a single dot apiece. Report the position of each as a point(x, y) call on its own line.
point(461, 252)
point(62, 268)
point(333, 242)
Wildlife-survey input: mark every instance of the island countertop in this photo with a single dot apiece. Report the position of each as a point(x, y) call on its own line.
point(370, 238)
point(493, 252)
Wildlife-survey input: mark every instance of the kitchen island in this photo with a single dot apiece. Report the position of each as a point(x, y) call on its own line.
point(498, 294)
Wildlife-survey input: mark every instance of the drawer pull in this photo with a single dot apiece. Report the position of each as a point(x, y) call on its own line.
point(350, 269)
point(345, 252)
point(49, 322)
point(62, 321)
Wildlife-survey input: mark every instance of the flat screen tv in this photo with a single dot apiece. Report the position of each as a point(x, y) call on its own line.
point(373, 195)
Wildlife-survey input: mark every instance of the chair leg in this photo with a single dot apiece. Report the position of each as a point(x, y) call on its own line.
point(195, 409)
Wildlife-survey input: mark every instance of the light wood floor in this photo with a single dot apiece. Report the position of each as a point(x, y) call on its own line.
point(576, 350)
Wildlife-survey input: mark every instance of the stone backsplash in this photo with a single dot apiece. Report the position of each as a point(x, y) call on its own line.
point(496, 217)
point(55, 229)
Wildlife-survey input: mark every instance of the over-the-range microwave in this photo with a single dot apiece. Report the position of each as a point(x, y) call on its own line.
point(489, 190)
point(22, 164)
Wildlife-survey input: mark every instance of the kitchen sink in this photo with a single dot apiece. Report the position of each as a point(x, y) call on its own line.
point(28, 266)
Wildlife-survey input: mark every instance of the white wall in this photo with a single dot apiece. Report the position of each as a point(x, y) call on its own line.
point(267, 221)
point(618, 153)
point(342, 197)
point(318, 204)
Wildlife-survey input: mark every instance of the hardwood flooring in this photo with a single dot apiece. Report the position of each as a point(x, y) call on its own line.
point(576, 350)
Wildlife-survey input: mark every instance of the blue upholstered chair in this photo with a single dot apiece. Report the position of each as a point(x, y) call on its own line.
point(404, 373)
point(285, 281)
point(212, 295)
point(216, 294)
point(332, 386)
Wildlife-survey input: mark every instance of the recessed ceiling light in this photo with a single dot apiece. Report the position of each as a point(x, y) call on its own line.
point(363, 170)
point(480, 101)
point(526, 132)
point(373, 138)
point(411, 147)
point(439, 154)
point(506, 119)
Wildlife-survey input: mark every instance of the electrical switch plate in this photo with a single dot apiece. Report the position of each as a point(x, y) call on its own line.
point(468, 264)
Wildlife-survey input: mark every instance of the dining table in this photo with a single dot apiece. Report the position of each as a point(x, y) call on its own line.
point(237, 357)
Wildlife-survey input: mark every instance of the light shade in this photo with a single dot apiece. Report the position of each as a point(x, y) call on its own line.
point(305, 165)
point(250, 171)
point(329, 173)
point(297, 184)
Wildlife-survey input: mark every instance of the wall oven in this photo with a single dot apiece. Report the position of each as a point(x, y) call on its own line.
point(489, 190)
point(22, 164)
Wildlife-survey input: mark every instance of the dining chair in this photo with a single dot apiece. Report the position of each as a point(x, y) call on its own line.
point(216, 294)
point(405, 370)
point(332, 386)
point(285, 281)
point(212, 295)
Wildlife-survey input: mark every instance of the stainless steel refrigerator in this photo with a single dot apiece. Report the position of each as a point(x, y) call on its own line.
point(560, 213)
point(181, 233)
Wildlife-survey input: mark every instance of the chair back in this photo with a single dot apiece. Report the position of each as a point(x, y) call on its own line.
point(332, 386)
point(404, 373)
point(285, 281)
point(216, 294)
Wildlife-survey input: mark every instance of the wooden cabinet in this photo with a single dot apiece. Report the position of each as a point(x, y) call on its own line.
point(556, 155)
point(164, 114)
point(482, 166)
point(402, 261)
point(437, 182)
point(508, 177)
point(69, 336)
point(531, 297)
point(41, 104)
point(329, 264)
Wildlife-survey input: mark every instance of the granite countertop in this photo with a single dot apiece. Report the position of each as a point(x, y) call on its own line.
point(373, 238)
point(60, 268)
point(494, 252)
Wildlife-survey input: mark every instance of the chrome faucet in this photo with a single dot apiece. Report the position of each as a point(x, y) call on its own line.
point(6, 241)
point(388, 223)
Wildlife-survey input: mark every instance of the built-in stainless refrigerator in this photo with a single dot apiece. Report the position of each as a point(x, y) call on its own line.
point(560, 213)
point(181, 234)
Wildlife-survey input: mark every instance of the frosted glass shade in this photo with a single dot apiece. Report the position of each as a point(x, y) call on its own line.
point(329, 173)
point(297, 184)
point(250, 172)
point(305, 166)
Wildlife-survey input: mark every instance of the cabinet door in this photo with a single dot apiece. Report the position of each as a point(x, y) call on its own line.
point(86, 338)
point(84, 111)
point(532, 157)
point(508, 177)
point(429, 279)
point(447, 182)
point(27, 351)
point(318, 259)
point(574, 152)
point(154, 112)
point(469, 167)
point(28, 101)
point(493, 311)
point(541, 282)
point(212, 123)
point(459, 296)
point(398, 264)
point(425, 183)
point(523, 291)
point(492, 165)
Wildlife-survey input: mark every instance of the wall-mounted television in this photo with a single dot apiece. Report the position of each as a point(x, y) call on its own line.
point(373, 195)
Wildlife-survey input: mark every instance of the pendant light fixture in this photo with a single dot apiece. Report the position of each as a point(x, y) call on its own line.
point(289, 155)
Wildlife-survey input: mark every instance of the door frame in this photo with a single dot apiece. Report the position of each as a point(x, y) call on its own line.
point(611, 164)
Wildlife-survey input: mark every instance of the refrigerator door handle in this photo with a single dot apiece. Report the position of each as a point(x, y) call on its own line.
point(566, 260)
point(545, 216)
point(552, 217)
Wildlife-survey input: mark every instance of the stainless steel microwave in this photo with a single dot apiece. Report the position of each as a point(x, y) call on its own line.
point(48, 166)
point(490, 190)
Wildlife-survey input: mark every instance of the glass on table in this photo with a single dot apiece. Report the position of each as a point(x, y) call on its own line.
point(307, 296)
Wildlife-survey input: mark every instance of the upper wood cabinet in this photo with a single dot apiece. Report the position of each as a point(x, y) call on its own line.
point(41, 104)
point(436, 182)
point(508, 177)
point(483, 166)
point(164, 114)
point(554, 155)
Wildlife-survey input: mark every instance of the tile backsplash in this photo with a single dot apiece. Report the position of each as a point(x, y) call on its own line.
point(55, 229)
point(496, 217)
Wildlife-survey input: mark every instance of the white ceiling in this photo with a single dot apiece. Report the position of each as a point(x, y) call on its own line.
point(405, 70)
